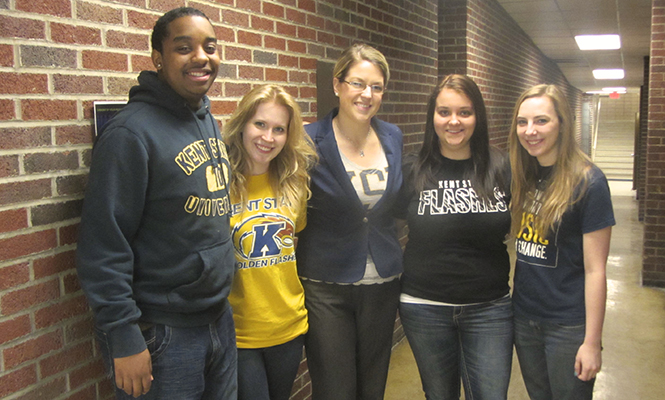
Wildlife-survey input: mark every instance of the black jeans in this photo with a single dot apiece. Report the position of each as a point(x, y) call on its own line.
point(350, 337)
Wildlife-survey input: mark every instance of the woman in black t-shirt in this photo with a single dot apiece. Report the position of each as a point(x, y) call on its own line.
point(455, 304)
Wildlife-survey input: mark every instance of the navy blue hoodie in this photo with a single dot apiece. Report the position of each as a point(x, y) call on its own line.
point(154, 243)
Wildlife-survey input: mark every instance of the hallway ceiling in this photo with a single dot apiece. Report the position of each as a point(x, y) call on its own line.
point(553, 25)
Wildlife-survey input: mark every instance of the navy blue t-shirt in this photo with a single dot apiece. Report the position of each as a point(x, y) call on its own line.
point(549, 271)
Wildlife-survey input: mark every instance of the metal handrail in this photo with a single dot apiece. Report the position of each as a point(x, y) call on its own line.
point(594, 133)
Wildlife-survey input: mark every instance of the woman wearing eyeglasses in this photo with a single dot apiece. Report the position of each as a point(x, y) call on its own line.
point(349, 257)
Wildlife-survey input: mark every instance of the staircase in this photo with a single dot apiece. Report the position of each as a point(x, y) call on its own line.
point(615, 143)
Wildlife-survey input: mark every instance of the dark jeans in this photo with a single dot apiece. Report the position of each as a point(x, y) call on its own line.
point(194, 363)
point(268, 373)
point(474, 343)
point(546, 352)
point(350, 337)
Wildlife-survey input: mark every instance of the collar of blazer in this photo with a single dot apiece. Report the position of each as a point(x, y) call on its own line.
point(324, 138)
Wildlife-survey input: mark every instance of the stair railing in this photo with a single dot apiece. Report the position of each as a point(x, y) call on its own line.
point(594, 133)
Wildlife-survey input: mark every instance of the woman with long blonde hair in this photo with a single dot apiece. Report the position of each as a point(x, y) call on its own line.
point(561, 218)
point(270, 155)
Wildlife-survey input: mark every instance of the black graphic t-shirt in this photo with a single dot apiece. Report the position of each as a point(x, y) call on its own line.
point(549, 272)
point(456, 252)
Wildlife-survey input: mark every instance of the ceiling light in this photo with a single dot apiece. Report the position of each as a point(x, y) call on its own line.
point(608, 73)
point(618, 89)
point(598, 92)
point(598, 42)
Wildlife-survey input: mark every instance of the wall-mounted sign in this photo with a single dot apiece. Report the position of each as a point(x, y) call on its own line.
point(104, 111)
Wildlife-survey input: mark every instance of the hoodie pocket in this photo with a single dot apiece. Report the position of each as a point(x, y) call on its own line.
point(217, 265)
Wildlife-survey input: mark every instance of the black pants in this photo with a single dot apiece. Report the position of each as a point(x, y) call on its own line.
point(350, 337)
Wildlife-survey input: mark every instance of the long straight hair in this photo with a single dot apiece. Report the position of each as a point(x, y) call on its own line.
point(488, 162)
point(288, 171)
point(569, 171)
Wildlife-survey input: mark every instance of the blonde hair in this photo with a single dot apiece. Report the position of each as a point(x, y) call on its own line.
point(357, 53)
point(288, 171)
point(568, 172)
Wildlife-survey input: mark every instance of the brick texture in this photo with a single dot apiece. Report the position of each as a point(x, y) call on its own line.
point(59, 56)
point(6, 55)
point(17, 379)
point(55, 264)
point(23, 137)
point(69, 358)
point(21, 299)
point(21, 28)
point(33, 348)
point(470, 32)
point(23, 83)
point(72, 34)
point(51, 389)
point(46, 110)
point(653, 268)
point(14, 275)
point(9, 166)
point(12, 220)
point(641, 143)
point(58, 8)
point(14, 328)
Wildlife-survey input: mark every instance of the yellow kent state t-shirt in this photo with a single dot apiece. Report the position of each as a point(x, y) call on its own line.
point(267, 297)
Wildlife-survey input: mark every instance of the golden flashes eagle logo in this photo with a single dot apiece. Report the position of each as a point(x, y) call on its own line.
point(263, 235)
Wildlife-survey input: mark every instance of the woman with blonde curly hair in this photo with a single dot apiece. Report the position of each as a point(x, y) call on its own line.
point(562, 219)
point(270, 155)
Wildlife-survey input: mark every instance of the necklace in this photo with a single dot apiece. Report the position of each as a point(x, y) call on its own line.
point(361, 150)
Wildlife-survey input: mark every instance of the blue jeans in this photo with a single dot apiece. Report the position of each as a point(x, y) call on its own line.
point(350, 337)
point(193, 363)
point(474, 343)
point(546, 352)
point(268, 373)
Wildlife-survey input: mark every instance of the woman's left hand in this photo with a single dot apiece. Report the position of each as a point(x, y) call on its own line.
point(588, 361)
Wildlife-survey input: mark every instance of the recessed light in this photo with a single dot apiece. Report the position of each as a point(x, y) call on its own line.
point(599, 92)
point(618, 89)
point(598, 42)
point(608, 74)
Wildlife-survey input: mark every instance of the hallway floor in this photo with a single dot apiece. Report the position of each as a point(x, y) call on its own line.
point(634, 332)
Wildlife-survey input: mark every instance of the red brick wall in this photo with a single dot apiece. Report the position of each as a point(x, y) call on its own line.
point(653, 269)
point(58, 56)
point(480, 39)
point(640, 170)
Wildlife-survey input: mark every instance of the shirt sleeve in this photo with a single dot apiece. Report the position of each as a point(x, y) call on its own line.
point(406, 191)
point(597, 207)
point(301, 219)
point(112, 212)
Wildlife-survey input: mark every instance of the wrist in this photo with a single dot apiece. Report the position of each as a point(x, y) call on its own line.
point(593, 343)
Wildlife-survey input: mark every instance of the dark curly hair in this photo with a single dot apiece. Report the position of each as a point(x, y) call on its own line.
point(161, 29)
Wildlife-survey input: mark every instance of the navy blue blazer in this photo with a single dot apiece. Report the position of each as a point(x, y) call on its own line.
point(333, 246)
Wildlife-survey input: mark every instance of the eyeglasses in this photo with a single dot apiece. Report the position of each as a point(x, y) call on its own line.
point(361, 86)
